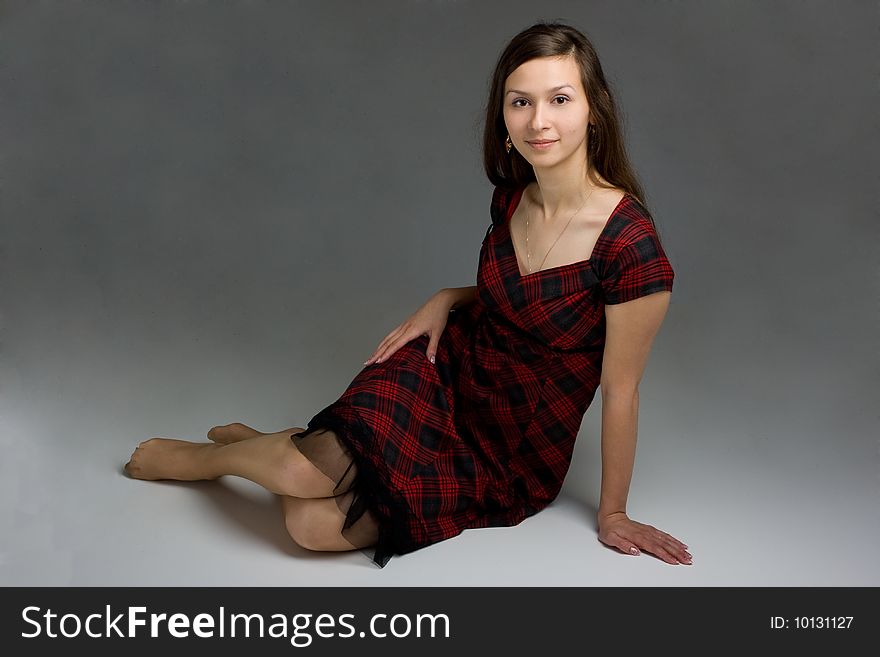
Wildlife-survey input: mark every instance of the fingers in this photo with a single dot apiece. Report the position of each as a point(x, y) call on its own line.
point(658, 543)
point(385, 347)
point(669, 549)
point(400, 336)
point(674, 548)
point(616, 539)
point(431, 353)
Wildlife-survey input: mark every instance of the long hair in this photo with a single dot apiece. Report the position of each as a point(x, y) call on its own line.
point(606, 152)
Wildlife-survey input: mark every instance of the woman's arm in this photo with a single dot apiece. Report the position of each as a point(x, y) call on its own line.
point(620, 415)
point(460, 296)
point(430, 319)
point(629, 333)
point(630, 330)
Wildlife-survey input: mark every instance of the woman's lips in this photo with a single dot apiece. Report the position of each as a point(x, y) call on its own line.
point(541, 145)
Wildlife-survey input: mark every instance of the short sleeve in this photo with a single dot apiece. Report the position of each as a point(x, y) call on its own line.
point(639, 269)
point(499, 205)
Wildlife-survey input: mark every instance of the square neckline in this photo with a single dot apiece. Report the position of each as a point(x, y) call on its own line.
point(514, 204)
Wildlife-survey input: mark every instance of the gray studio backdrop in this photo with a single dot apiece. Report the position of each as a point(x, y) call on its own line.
point(213, 212)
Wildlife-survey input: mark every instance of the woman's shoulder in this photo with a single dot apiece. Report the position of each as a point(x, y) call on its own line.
point(501, 199)
point(630, 223)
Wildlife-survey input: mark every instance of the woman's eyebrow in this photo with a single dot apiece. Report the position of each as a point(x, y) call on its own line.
point(526, 93)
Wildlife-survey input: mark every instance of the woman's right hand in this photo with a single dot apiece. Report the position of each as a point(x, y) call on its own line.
point(428, 320)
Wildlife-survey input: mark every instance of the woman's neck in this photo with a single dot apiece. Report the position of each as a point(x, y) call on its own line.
point(557, 195)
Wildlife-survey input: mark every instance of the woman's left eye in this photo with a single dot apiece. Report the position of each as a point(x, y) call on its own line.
point(558, 97)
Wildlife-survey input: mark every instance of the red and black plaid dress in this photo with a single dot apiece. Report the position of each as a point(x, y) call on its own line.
point(484, 437)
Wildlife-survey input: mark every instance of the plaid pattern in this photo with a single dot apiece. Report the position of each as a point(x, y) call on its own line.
point(484, 437)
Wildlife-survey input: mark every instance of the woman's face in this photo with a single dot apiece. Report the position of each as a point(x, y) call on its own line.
point(544, 100)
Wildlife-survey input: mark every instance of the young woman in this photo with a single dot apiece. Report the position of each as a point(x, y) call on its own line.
point(466, 414)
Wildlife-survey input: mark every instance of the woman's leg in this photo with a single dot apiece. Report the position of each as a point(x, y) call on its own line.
point(316, 524)
point(232, 433)
point(270, 460)
point(312, 516)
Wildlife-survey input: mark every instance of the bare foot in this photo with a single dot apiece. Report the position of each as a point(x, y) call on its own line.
point(167, 458)
point(232, 433)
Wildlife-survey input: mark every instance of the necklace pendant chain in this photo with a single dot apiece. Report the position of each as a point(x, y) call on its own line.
point(528, 251)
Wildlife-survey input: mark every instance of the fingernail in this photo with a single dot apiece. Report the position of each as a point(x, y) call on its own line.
point(431, 358)
point(633, 551)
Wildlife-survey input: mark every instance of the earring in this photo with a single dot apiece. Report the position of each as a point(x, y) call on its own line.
point(508, 144)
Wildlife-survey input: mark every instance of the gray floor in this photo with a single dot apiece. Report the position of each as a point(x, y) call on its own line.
point(752, 513)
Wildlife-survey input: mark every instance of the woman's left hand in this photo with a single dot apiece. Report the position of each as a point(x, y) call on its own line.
point(618, 530)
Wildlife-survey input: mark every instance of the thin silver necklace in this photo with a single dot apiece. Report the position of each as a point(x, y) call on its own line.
point(528, 251)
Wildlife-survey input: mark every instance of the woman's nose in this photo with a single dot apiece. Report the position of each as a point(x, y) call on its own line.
point(539, 118)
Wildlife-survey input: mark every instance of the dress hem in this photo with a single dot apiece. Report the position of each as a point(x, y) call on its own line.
point(389, 509)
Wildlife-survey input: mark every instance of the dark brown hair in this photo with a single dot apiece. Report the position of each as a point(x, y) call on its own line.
point(606, 151)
